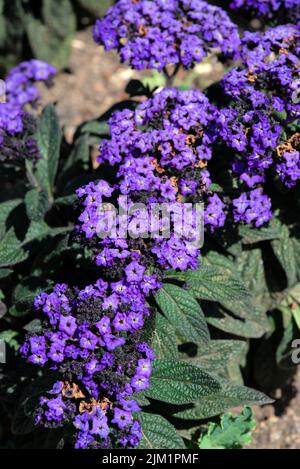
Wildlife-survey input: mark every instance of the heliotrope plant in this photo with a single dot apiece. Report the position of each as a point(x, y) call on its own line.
point(100, 358)
point(124, 351)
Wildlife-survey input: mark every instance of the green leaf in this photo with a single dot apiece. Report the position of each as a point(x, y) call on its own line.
point(176, 382)
point(6, 209)
point(252, 235)
point(97, 127)
point(213, 284)
point(183, 312)
point(49, 140)
point(11, 251)
point(34, 326)
point(284, 250)
point(5, 273)
point(158, 433)
point(40, 230)
point(37, 204)
point(221, 357)
point(164, 342)
point(229, 396)
point(218, 317)
point(9, 337)
point(251, 268)
point(233, 432)
point(66, 200)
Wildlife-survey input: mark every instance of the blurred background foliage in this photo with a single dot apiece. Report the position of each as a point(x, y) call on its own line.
point(43, 29)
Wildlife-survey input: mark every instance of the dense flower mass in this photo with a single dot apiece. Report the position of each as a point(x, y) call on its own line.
point(158, 154)
point(152, 34)
point(17, 125)
point(92, 339)
point(266, 92)
point(281, 9)
point(160, 151)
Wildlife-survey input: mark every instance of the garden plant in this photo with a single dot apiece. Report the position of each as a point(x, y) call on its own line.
point(137, 331)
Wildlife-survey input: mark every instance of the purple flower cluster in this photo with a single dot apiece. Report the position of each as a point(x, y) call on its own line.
point(17, 126)
point(272, 76)
point(254, 207)
point(92, 338)
point(265, 93)
point(161, 151)
point(153, 34)
point(281, 9)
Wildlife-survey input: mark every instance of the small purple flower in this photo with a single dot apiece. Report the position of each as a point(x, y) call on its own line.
point(89, 341)
point(122, 418)
point(134, 272)
point(103, 325)
point(68, 325)
point(140, 382)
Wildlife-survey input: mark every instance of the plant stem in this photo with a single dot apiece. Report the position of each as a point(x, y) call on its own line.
point(171, 77)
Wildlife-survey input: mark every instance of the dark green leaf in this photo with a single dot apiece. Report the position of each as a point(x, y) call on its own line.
point(158, 433)
point(11, 251)
point(179, 383)
point(284, 251)
point(219, 356)
point(212, 283)
point(49, 140)
point(229, 396)
point(183, 312)
point(164, 342)
point(37, 204)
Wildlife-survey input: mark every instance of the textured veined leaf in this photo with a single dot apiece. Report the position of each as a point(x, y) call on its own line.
point(250, 265)
point(6, 209)
point(229, 396)
point(214, 284)
point(158, 433)
point(245, 327)
point(284, 251)
point(49, 140)
point(5, 273)
point(164, 342)
point(176, 382)
point(221, 357)
point(11, 250)
point(183, 311)
point(252, 235)
point(37, 204)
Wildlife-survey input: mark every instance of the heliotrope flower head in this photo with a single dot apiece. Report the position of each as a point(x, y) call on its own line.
point(253, 207)
point(92, 340)
point(153, 34)
point(271, 76)
point(17, 125)
point(265, 94)
point(160, 153)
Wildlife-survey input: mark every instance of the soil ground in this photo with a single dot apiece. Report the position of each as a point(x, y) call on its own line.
point(93, 82)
